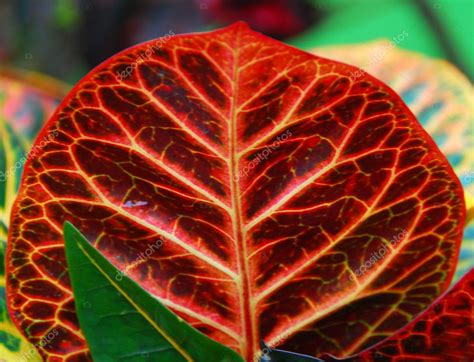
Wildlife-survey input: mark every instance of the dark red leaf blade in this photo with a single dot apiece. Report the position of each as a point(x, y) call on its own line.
point(444, 332)
point(271, 176)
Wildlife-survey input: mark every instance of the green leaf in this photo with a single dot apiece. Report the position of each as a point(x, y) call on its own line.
point(123, 322)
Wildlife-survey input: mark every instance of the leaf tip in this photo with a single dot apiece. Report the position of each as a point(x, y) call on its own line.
point(69, 228)
point(240, 25)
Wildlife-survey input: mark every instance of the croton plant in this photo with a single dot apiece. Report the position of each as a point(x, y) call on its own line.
point(226, 197)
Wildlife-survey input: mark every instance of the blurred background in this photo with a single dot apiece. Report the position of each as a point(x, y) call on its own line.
point(67, 38)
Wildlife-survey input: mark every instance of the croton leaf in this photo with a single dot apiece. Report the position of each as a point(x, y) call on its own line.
point(122, 321)
point(444, 332)
point(297, 205)
point(26, 101)
point(442, 99)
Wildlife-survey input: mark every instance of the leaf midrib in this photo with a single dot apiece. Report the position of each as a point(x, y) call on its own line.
point(248, 341)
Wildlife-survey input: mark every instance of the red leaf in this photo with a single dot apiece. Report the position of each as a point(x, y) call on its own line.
point(271, 176)
point(444, 332)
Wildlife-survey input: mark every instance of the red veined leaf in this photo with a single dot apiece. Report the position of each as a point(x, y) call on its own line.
point(442, 99)
point(444, 332)
point(270, 175)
